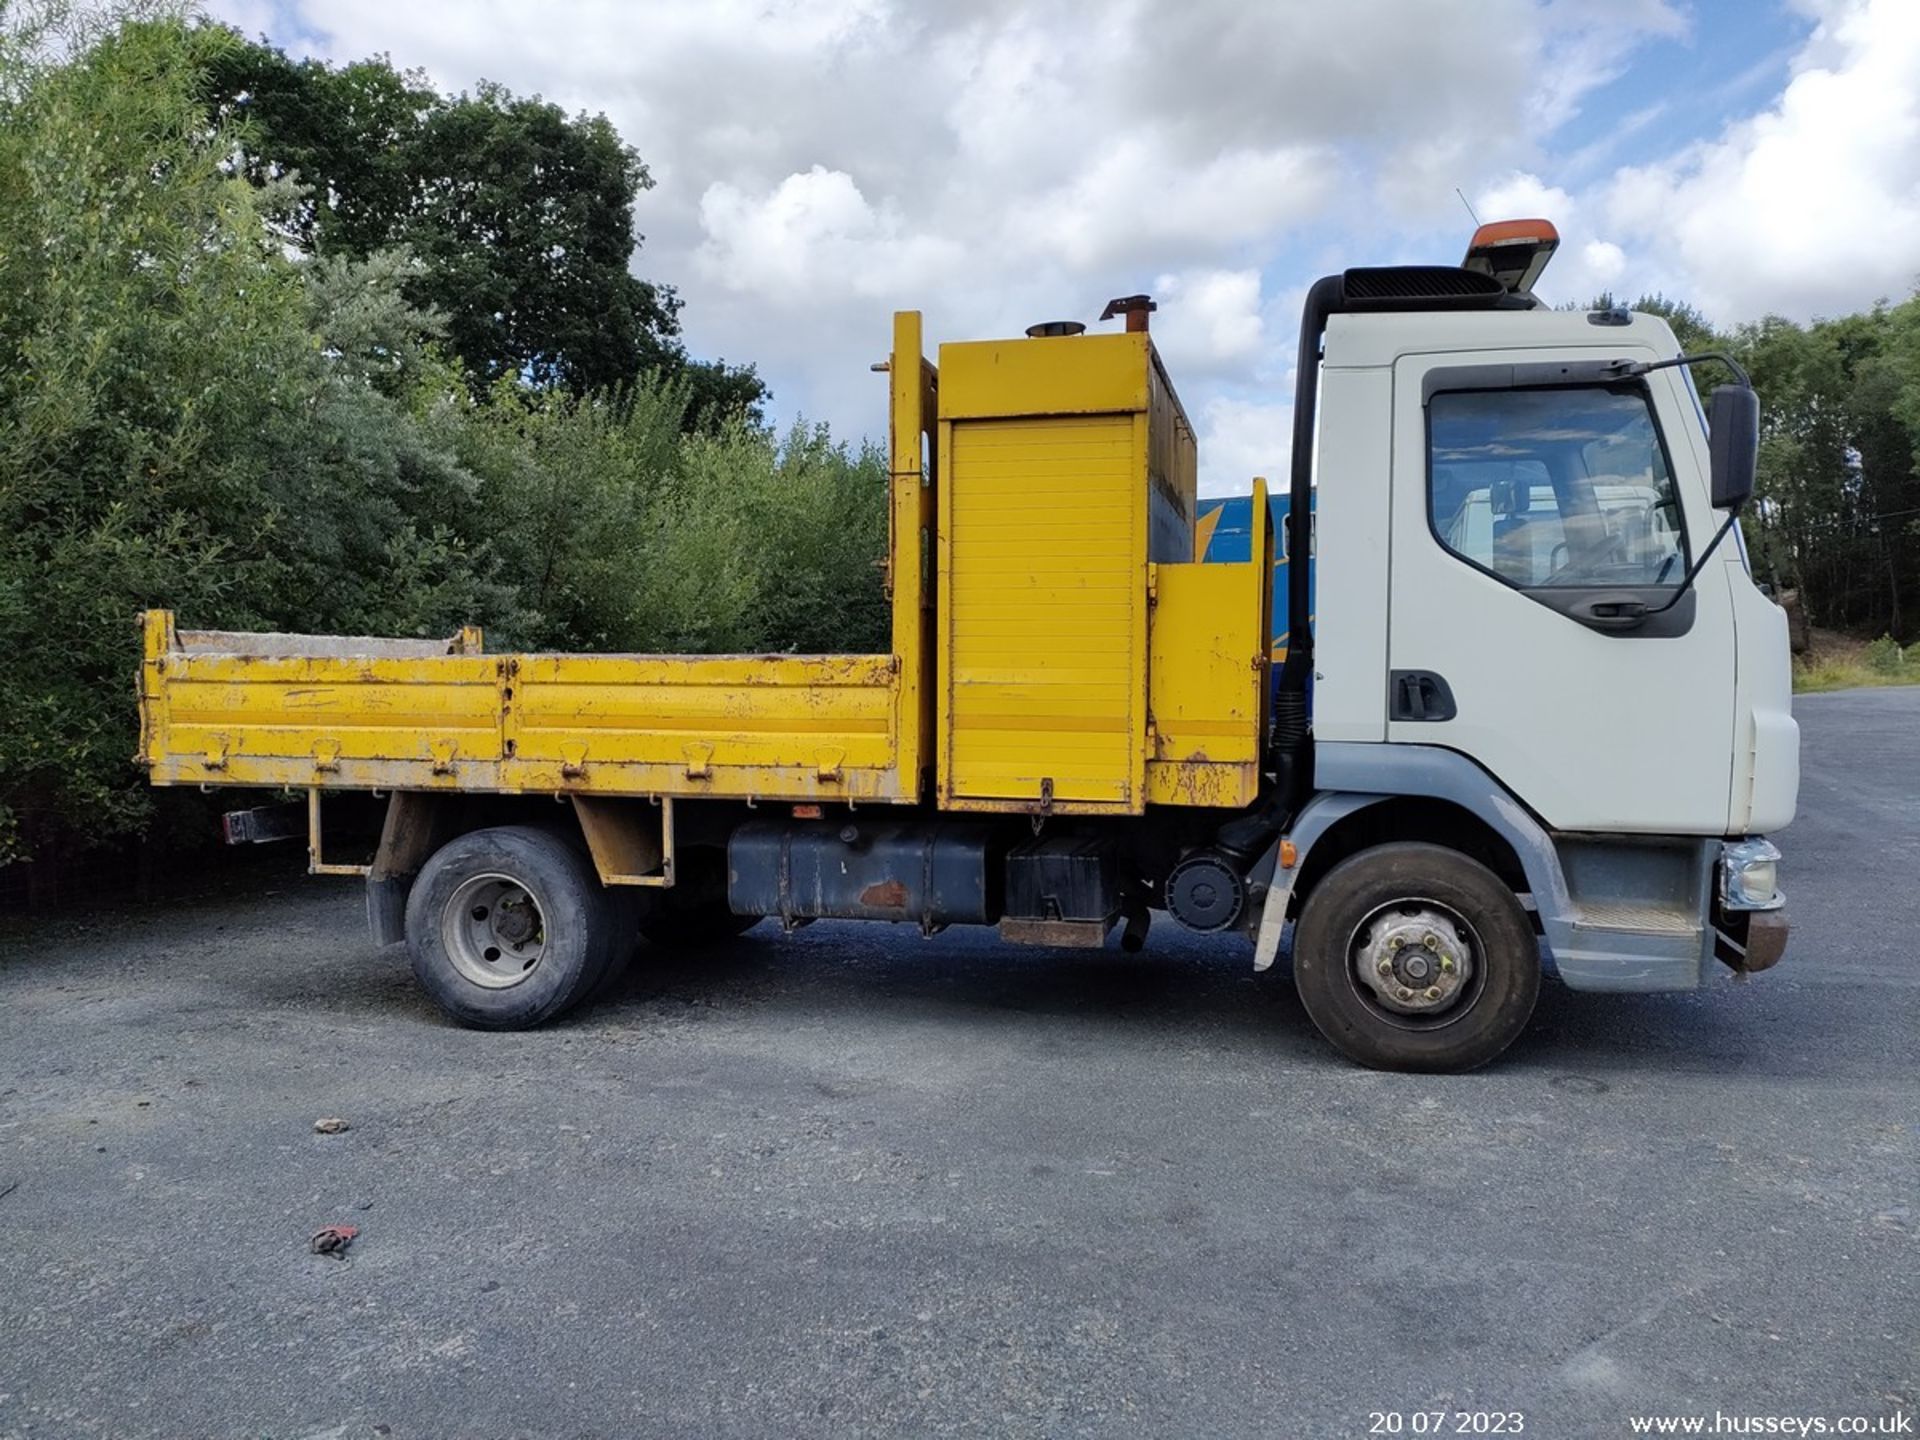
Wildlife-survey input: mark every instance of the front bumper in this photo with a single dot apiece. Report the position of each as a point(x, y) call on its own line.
point(1749, 911)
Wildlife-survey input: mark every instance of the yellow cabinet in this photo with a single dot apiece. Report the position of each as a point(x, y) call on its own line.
point(1067, 467)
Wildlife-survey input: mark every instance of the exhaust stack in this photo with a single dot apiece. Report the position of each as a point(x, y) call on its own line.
point(1135, 307)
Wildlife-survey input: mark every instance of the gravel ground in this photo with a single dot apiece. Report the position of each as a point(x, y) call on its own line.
point(856, 1183)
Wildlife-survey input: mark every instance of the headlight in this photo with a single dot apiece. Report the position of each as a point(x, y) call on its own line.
point(1750, 875)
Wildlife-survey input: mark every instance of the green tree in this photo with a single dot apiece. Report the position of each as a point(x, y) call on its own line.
point(816, 515)
point(1838, 483)
point(521, 217)
point(187, 418)
point(524, 219)
point(139, 296)
point(350, 135)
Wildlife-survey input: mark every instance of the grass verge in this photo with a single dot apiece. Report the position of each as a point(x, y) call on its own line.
point(1844, 675)
point(1838, 662)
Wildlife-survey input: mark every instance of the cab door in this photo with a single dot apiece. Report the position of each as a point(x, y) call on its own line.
point(1543, 519)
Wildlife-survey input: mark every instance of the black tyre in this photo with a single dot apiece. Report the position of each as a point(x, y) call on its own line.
point(1414, 957)
point(509, 927)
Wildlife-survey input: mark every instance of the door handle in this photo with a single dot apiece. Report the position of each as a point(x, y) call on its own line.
point(1420, 695)
point(1611, 613)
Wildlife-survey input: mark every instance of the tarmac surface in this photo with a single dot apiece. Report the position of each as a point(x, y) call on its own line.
point(852, 1182)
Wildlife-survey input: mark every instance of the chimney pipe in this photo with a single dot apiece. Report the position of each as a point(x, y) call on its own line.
point(1135, 307)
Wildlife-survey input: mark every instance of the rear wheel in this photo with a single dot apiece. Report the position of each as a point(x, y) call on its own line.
point(1414, 957)
point(509, 927)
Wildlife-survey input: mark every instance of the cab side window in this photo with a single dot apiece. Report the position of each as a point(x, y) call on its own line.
point(1559, 487)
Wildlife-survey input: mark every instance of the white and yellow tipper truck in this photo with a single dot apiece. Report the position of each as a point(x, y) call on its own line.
point(1539, 720)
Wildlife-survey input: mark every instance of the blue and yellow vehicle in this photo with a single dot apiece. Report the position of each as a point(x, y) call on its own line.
point(1224, 535)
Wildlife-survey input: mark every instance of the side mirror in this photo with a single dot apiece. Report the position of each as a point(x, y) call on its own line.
point(1733, 444)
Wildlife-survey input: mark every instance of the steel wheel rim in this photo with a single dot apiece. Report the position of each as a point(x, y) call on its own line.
point(1456, 946)
point(494, 931)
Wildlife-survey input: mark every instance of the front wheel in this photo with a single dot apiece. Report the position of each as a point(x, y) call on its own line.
point(1414, 957)
point(508, 927)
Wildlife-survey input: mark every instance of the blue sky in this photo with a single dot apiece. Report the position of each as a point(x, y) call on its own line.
point(1674, 90)
point(820, 164)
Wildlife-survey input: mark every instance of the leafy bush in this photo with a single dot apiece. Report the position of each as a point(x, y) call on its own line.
point(145, 325)
point(193, 416)
point(808, 519)
point(1885, 657)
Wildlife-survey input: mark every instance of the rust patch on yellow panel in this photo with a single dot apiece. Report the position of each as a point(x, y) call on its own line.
point(1198, 783)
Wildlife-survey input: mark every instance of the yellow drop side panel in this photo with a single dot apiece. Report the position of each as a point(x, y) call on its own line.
point(815, 726)
point(221, 709)
point(1209, 680)
point(1043, 612)
point(1210, 675)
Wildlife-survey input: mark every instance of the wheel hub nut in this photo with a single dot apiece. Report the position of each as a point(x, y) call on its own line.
point(1415, 958)
point(513, 923)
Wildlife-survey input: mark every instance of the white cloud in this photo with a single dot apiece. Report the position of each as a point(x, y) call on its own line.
point(1210, 322)
point(1521, 196)
point(1244, 438)
point(1142, 198)
point(1534, 69)
point(1811, 206)
point(813, 237)
point(993, 163)
point(1586, 45)
point(1605, 261)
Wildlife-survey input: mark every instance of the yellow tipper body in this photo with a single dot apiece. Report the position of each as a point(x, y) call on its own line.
point(1054, 647)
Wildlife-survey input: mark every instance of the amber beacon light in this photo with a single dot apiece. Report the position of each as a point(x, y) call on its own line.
point(1514, 252)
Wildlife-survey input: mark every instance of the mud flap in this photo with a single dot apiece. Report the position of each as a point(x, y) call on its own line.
point(387, 908)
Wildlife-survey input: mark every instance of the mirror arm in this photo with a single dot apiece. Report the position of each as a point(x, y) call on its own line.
point(1641, 367)
point(1693, 570)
